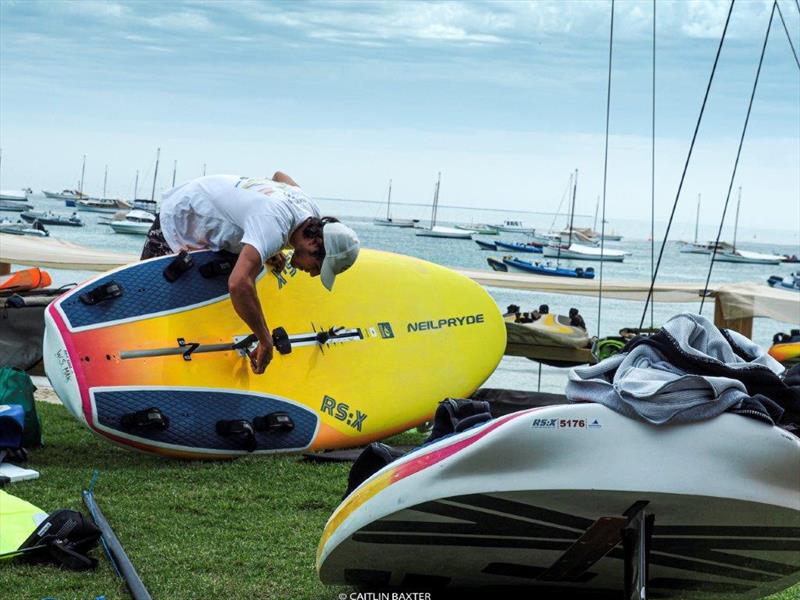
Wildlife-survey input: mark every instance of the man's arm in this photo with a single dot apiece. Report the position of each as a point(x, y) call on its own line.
point(242, 287)
point(284, 178)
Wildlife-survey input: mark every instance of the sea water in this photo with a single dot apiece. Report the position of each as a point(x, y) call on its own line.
point(604, 317)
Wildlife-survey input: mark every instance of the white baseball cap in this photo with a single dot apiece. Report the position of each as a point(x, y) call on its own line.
point(341, 251)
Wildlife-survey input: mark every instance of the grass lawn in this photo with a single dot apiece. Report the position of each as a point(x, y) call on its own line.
point(223, 530)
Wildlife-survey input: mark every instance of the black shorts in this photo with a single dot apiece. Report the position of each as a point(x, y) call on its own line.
point(155, 245)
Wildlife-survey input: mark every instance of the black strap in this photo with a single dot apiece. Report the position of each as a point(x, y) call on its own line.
point(101, 293)
point(178, 266)
point(239, 429)
point(149, 418)
point(275, 421)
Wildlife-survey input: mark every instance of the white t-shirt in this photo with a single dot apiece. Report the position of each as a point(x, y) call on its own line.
point(223, 212)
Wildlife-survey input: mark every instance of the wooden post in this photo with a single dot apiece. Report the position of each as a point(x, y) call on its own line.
point(5, 268)
point(743, 326)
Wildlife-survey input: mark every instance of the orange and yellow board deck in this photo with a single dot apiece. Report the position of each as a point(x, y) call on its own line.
point(408, 333)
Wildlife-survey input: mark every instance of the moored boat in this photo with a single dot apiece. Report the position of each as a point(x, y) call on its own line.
point(479, 228)
point(22, 228)
point(579, 252)
point(530, 247)
point(69, 196)
point(484, 245)
point(106, 205)
point(548, 269)
point(790, 282)
point(14, 206)
point(46, 217)
point(16, 195)
point(135, 222)
point(745, 256)
point(512, 226)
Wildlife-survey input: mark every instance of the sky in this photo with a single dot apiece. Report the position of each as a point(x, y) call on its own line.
point(504, 98)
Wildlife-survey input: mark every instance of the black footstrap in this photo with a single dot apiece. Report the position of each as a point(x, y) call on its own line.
point(238, 429)
point(149, 419)
point(178, 266)
point(101, 293)
point(222, 265)
point(274, 422)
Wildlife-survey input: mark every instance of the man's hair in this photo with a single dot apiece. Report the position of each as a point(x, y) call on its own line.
point(313, 229)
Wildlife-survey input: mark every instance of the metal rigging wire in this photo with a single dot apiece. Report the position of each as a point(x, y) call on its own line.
point(786, 29)
point(738, 154)
point(686, 165)
point(653, 167)
point(605, 172)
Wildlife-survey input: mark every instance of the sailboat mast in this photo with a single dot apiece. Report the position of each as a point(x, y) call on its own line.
point(155, 175)
point(697, 219)
point(596, 209)
point(389, 202)
point(736, 224)
point(572, 212)
point(83, 170)
point(105, 181)
point(174, 170)
point(204, 169)
point(136, 185)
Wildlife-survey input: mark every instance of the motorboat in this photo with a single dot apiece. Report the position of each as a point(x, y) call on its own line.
point(790, 282)
point(574, 498)
point(745, 256)
point(579, 252)
point(14, 206)
point(66, 195)
point(105, 205)
point(513, 226)
point(479, 228)
point(16, 195)
point(530, 247)
point(548, 269)
point(46, 217)
point(484, 245)
point(22, 228)
point(136, 222)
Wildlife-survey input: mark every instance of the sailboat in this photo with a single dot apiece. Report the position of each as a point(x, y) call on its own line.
point(389, 221)
point(744, 256)
point(139, 220)
point(437, 231)
point(70, 196)
point(696, 247)
point(579, 251)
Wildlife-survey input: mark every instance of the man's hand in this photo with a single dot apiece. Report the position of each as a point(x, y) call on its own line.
point(277, 262)
point(244, 297)
point(262, 356)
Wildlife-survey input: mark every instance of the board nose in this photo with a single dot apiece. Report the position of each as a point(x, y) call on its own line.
point(58, 365)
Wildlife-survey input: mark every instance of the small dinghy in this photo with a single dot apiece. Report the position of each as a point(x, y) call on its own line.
point(520, 247)
point(22, 228)
point(790, 282)
point(50, 218)
point(548, 269)
point(486, 245)
point(497, 265)
point(575, 498)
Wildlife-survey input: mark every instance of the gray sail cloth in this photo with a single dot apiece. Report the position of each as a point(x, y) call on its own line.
point(645, 385)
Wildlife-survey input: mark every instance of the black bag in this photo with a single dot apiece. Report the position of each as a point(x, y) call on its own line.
point(65, 537)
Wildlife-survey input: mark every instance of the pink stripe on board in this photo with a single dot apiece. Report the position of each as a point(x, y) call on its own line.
point(423, 462)
point(66, 338)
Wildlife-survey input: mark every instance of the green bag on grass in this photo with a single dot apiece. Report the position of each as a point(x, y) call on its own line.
point(16, 387)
